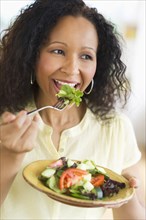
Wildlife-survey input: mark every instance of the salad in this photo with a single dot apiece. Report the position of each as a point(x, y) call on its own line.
point(80, 179)
point(70, 95)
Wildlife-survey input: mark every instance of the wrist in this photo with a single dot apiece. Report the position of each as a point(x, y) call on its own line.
point(12, 155)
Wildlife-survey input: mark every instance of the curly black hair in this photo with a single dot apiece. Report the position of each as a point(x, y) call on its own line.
point(21, 44)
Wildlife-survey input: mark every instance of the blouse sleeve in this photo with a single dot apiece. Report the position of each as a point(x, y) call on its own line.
point(132, 153)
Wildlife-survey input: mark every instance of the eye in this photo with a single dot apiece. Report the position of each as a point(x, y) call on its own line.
point(58, 51)
point(87, 57)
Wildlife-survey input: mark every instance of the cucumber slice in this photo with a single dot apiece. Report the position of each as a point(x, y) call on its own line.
point(70, 163)
point(48, 172)
point(52, 184)
point(89, 164)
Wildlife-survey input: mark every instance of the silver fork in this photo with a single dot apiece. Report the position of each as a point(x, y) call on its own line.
point(59, 106)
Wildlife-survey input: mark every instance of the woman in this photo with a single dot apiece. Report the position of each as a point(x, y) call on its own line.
point(52, 43)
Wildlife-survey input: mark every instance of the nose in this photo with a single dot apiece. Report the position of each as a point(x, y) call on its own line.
point(70, 66)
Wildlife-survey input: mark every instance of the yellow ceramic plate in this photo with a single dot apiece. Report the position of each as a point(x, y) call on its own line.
point(33, 171)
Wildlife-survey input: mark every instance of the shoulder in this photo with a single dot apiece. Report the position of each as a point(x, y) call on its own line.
point(122, 120)
point(114, 119)
point(120, 117)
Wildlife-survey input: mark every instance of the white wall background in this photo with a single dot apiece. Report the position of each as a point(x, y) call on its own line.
point(129, 16)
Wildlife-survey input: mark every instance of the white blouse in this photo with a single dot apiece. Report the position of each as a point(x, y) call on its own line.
point(110, 145)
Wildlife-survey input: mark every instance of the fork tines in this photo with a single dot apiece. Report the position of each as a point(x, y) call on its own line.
point(60, 104)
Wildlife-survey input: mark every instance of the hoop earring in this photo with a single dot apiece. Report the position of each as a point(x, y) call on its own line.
point(90, 90)
point(31, 79)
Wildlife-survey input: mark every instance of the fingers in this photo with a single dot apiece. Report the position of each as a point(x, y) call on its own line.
point(18, 132)
point(7, 117)
point(15, 127)
point(133, 181)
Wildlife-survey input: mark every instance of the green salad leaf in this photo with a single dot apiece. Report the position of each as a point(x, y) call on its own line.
point(70, 95)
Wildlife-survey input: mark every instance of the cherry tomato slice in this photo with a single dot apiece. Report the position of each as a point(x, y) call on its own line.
point(97, 180)
point(70, 177)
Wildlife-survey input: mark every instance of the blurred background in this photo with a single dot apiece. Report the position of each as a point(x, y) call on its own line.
point(129, 19)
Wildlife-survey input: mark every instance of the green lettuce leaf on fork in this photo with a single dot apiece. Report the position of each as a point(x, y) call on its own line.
point(70, 95)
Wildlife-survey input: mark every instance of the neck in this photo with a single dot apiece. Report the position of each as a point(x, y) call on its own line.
point(67, 118)
point(61, 120)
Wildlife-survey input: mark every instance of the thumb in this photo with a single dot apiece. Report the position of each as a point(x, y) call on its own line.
point(133, 181)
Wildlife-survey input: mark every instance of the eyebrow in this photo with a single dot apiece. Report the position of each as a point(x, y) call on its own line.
point(90, 48)
point(59, 42)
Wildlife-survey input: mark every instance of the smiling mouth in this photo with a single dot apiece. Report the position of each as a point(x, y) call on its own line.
point(59, 83)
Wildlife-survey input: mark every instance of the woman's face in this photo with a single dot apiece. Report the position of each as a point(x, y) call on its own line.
point(69, 57)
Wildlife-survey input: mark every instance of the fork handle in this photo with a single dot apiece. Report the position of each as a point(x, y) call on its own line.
point(38, 110)
point(32, 112)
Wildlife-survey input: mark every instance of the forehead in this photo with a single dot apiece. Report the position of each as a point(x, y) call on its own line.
point(71, 27)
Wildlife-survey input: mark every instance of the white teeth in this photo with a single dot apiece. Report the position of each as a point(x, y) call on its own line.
point(65, 83)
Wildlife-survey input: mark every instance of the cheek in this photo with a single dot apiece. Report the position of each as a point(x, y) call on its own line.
point(90, 71)
point(43, 68)
point(43, 71)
